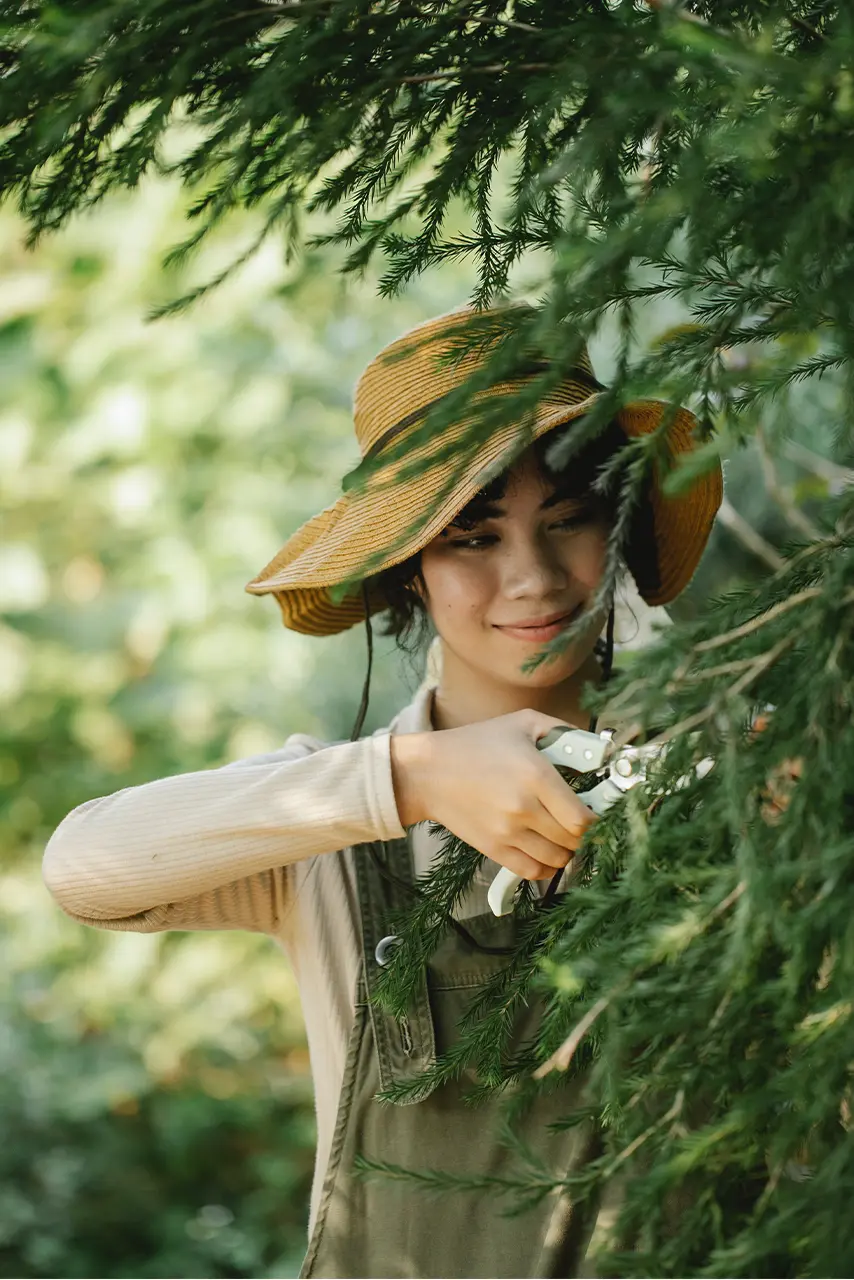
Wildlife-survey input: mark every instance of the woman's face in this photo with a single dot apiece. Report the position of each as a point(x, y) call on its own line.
point(531, 558)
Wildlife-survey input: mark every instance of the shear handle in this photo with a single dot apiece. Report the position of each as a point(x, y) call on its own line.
point(575, 749)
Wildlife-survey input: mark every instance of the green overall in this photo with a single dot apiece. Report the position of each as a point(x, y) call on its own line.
point(377, 1226)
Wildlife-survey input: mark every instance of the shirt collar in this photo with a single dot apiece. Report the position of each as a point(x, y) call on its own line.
point(415, 717)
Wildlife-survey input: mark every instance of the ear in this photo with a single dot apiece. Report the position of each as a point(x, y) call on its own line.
point(419, 586)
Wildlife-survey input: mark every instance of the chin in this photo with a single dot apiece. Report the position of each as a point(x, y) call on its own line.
point(548, 674)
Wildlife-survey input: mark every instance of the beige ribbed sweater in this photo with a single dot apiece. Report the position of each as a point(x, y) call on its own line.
point(263, 844)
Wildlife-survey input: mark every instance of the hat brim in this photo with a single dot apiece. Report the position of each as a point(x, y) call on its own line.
point(371, 528)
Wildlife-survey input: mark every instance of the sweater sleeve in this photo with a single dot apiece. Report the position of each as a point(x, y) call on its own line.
point(211, 850)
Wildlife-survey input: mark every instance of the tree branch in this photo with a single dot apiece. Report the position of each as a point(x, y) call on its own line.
point(562, 1056)
point(837, 477)
point(775, 488)
point(748, 537)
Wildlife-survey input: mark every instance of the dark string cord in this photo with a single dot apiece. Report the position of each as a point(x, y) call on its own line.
point(415, 892)
point(607, 659)
point(366, 687)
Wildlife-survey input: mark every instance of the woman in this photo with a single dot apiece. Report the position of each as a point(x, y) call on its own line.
point(317, 843)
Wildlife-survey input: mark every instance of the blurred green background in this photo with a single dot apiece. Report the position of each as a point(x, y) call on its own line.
point(155, 1101)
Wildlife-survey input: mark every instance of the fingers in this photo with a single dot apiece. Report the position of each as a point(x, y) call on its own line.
point(563, 818)
point(538, 725)
point(521, 864)
point(552, 854)
point(555, 833)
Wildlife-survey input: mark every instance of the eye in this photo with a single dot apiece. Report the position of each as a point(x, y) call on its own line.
point(575, 519)
point(477, 543)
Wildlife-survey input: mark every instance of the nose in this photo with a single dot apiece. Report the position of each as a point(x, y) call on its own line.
point(533, 569)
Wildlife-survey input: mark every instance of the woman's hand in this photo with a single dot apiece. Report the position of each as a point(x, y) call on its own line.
point(488, 784)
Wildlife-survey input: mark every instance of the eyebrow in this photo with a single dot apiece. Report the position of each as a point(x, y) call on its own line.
point(494, 511)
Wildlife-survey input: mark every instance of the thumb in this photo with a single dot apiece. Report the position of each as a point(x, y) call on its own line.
point(539, 726)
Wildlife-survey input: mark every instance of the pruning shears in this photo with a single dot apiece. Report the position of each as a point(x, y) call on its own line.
point(621, 768)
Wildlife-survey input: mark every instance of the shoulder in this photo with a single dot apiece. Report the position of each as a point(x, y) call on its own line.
point(410, 719)
point(295, 747)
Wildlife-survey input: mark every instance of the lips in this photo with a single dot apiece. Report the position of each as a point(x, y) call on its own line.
point(542, 629)
point(538, 622)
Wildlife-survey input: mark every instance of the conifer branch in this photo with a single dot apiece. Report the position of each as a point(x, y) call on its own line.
point(460, 73)
point(695, 156)
point(563, 1056)
point(673, 1113)
point(761, 620)
point(793, 513)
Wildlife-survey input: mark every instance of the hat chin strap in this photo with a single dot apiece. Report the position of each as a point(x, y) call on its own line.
point(366, 687)
point(608, 649)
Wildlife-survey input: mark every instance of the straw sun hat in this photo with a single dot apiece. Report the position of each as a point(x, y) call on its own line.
point(392, 515)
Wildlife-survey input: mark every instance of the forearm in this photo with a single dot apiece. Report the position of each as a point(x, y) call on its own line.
point(411, 763)
point(178, 837)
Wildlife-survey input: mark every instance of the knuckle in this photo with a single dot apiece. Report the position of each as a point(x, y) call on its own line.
point(582, 817)
point(505, 828)
point(516, 805)
point(502, 822)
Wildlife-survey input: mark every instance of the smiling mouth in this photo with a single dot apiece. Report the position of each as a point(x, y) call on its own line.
point(543, 630)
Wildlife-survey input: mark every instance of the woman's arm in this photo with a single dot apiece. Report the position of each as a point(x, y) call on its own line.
point(209, 850)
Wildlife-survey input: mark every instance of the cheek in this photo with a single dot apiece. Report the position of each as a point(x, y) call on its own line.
point(458, 589)
point(587, 557)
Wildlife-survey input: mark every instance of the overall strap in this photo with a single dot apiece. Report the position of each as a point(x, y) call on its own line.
point(407, 1046)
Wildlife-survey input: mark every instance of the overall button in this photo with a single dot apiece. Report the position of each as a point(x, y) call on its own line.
point(384, 946)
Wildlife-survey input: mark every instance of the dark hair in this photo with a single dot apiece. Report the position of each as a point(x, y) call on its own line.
point(405, 616)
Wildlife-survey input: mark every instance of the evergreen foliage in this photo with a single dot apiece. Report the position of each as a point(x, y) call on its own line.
point(701, 963)
point(701, 968)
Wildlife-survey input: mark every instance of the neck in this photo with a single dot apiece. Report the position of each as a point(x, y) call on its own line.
point(465, 696)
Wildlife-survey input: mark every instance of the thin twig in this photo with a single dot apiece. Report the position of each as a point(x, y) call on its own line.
point(752, 667)
point(660, 1064)
point(561, 1058)
point(492, 68)
point(709, 673)
point(295, 7)
point(837, 476)
point(815, 549)
point(792, 602)
point(563, 1055)
point(671, 1114)
point(759, 665)
point(777, 491)
point(512, 23)
point(724, 905)
point(748, 537)
point(277, 10)
point(805, 26)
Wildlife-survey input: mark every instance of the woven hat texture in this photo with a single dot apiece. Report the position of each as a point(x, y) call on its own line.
point(405, 503)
